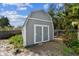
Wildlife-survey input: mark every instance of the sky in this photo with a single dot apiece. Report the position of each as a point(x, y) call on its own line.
point(18, 12)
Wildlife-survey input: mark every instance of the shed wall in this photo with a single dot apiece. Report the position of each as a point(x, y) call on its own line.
point(24, 36)
point(30, 30)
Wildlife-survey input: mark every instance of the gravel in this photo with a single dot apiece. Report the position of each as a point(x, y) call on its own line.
point(6, 50)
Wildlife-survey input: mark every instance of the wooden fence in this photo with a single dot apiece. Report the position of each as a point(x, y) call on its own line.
point(60, 32)
point(7, 34)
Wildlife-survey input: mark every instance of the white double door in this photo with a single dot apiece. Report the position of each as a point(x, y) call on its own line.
point(41, 33)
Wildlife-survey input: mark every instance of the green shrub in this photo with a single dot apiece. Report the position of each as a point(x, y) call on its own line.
point(17, 41)
point(73, 43)
point(76, 50)
point(71, 35)
point(6, 28)
point(67, 51)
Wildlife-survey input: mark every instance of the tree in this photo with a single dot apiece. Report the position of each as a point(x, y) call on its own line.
point(57, 16)
point(72, 10)
point(52, 14)
point(63, 18)
point(71, 13)
point(4, 21)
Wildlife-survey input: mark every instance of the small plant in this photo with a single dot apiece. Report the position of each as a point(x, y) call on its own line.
point(76, 50)
point(67, 51)
point(70, 35)
point(73, 43)
point(17, 41)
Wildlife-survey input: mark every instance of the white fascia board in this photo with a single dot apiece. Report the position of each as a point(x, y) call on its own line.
point(40, 19)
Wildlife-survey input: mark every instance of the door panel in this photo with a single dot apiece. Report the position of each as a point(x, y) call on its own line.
point(45, 33)
point(38, 34)
point(41, 33)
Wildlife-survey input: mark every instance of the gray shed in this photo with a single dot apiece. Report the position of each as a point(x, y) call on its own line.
point(37, 28)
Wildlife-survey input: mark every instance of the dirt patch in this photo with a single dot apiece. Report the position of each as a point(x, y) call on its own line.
point(52, 47)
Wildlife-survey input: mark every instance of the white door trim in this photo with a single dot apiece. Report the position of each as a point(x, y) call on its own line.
point(42, 26)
